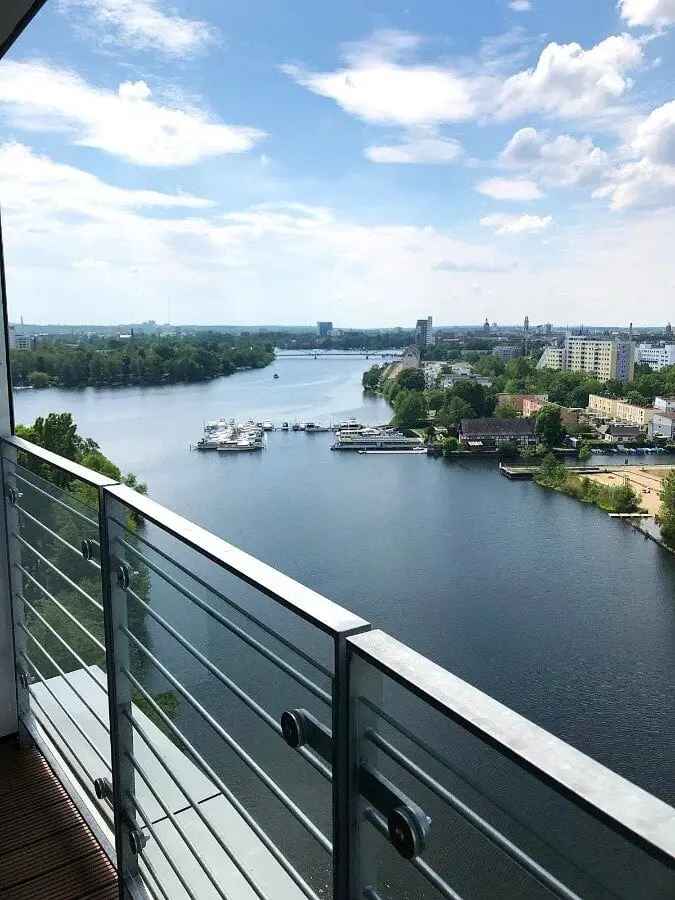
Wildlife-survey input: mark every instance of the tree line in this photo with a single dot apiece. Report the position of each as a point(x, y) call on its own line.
point(140, 359)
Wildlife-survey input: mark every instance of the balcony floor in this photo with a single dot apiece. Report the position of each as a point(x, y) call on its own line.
point(47, 851)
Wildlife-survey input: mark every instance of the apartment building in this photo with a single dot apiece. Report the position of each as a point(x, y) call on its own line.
point(656, 356)
point(602, 359)
point(424, 332)
point(620, 410)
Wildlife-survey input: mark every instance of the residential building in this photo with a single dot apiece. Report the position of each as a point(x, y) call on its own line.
point(602, 359)
point(431, 372)
point(424, 332)
point(656, 356)
point(506, 352)
point(23, 342)
point(662, 425)
point(11, 337)
point(552, 358)
point(448, 381)
point(620, 410)
point(532, 405)
point(667, 404)
point(620, 434)
point(518, 400)
point(476, 434)
point(461, 369)
point(325, 329)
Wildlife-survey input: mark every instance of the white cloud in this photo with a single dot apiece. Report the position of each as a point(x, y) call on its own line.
point(378, 85)
point(570, 82)
point(520, 5)
point(126, 123)
point(509, 189)
point(648, 179)
point(560, 161)
point(142, 25)
point(420, 148)
point(656, 13)
point(504, 223)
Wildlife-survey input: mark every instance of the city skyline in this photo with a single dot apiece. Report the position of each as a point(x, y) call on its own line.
point(271, 163)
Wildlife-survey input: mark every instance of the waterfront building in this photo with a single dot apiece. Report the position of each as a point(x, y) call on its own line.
point(617, 433)
point(424, 332)
point(620, 410)
point(449, 381)
point(477, 434)
point(325, 329)
point(656, 356)
point(662, 425)
point(431, 372)
point(603, 359)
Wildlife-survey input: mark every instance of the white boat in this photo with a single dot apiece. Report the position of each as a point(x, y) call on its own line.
point(267, 426)
point(284, 426)
point(313, 427)
point(415, 451)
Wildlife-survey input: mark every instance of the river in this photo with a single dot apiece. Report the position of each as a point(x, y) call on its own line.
point(545, 603)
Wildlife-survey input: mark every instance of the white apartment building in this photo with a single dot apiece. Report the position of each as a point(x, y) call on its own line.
point(664, 404)
point(656, 356)
point(603, 359)
point(620, 410)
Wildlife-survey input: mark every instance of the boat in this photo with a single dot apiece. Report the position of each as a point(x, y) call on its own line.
point(313, 428)
point(276, 374)
point(414, 451)
point(267, 426)
point(374, 439)
point(284, 426)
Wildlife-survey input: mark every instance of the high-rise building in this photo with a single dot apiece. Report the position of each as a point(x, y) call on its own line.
point(603, 359)
point(325, 329)
point(424, 332)
point(486, 326)
point(526, 324)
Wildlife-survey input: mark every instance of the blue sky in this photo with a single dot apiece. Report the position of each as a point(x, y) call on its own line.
point(366, 162)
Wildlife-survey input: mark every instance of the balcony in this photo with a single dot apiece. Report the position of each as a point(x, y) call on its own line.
point(180, 720)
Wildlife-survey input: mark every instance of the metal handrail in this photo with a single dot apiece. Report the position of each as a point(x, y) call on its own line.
point(76, 550)
point(82, 473)
point(624, 807)
point(31, 483)
point(69, 581)
point(324, 614)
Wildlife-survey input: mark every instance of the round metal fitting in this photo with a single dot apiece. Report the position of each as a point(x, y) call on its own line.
point(13, 496)
point(123, 576)
point(293, 728)
point(408, 831)
point(24, 680)
point(137, 840)
point(87, 549)
point(100, 788)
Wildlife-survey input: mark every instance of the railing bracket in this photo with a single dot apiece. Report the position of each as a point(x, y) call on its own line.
point(14, 496)
point(137, 840)
point(87, 549)
point(123, 576)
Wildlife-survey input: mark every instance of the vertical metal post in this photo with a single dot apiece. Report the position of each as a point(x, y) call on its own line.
point(12, 555)
point(345, 774)
point(364, 681)
point(8, 682)
point(119, 697)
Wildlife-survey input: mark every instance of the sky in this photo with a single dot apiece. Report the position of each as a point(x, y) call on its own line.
point(367, 162)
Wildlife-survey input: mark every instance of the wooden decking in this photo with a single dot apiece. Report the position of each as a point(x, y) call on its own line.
point(47, 851)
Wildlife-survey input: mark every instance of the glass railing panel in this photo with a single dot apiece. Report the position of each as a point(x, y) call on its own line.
point(53, 534)
point(479, 819)
point(214, 662)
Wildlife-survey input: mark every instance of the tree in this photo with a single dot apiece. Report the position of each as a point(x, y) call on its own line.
point(411, 379)
point(454, 411)
point(410, 409)
point(552, 473)
point(667, 511)
point(39, 379)
point(507, 411)
point(481, 400)
point(548, 425)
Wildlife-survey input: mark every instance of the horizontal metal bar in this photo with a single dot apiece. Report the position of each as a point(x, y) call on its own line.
point(240, 609)
point(627, 809)
point(269, 782)
point(31, 484)
point(167, 812)
point(72, 769)
point(95, 479)
point(69, 581)
point(61, 672)
point(63, 609)
point(72, 783)
point(324, 696)
point(56, 700)
point(423, 867)
point(224, 789)
point(319, 611)
point(76, 550)
point(227, 682)
point(160, 843)
point(195, 806)
point(76, 656)
point(492, 834)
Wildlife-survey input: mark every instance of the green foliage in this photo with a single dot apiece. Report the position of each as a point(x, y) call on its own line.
point(411, 379)
point(552, 473)
point(409, 409)
point(620, 499)
point(450, 444)
point(667, 510)
point(142, 359)
point(507, 411)
point(548, 426)
point(454, 411)
point(371, 378)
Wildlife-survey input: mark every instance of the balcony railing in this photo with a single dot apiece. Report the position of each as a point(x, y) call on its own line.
point(230, 733)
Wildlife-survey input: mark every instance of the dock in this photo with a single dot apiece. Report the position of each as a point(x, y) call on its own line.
point(526, 473)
